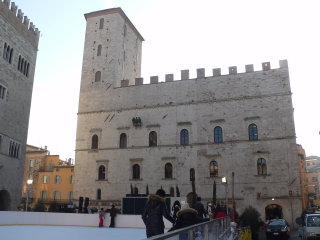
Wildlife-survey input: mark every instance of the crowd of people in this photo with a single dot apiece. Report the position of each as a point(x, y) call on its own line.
point(183, 215)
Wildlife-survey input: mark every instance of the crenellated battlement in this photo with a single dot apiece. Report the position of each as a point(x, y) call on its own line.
point(216, 72)
point(16, 17)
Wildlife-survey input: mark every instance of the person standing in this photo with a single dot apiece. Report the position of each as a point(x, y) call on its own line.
point(101, 217)
point(113, 213)
point(198, 206)
point(154, 212)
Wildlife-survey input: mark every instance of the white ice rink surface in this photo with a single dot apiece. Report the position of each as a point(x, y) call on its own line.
point(69, 233)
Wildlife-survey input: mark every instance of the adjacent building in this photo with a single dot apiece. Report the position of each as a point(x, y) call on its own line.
point(52, 179)
point(18, 52)
point(312, 162)
point(313, 177)
point(162, 134)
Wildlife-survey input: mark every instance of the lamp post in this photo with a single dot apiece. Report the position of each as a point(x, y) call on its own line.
point(224, 181)
point(29, 181)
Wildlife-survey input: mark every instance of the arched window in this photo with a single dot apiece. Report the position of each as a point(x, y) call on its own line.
point(19, 63)
point(123, 140)
point(184, 137)
point(253, 132)
point(8, 53)
point(4, 50)
point(10, 57)
point(27, 72)
point(94, 142)
point(25, 68)
point(99, 50)
point(101, 23)
point(262, 166)
point(97, 77)
point(218, 135)
point(213, 169)
point(22, 65)
point(172, 192)
point(192, 174)
point(152, 139)
point(135, 171)
point(168, 170)
point(98, 194)
point(102, 173)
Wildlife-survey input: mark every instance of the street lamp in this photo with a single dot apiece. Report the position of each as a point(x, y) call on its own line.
point(29, 181)
point(224, 181)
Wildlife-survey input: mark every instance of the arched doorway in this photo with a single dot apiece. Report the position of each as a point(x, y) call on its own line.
point(273, 211)
point(5, 200)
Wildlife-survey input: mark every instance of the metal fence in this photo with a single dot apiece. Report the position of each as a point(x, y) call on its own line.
point(212, 230)
point(242, 234)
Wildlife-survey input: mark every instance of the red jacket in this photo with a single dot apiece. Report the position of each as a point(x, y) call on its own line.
point(221, 215)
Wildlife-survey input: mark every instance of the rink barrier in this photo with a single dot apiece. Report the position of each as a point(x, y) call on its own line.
point(216, 229)
point(70, 219)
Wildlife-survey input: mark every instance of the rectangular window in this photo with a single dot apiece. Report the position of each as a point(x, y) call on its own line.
point(14, 149)
point(314, 179)
point(32, 164)
point(56, 195)
point(3, 91)
point(71, 179)
point(45, 179)
point(44, 195)
point(57, 179)
point(70, 196)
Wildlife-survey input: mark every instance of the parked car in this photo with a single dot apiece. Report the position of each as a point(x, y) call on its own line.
point(278, 228)
point(311, 226)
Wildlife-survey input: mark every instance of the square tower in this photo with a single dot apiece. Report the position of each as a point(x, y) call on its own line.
point(18, 52)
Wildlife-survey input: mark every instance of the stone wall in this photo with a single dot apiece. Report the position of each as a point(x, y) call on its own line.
point(22, 37)
point(232, 102)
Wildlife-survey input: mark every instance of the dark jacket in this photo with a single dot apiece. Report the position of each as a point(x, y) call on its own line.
point(202, 213)
point(154, 212)
point(186, 217)
point(113, 212)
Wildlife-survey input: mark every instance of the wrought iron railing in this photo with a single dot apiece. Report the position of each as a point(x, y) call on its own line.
point(211, 230)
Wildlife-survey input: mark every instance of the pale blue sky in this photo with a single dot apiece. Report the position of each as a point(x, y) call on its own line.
point(179, 34)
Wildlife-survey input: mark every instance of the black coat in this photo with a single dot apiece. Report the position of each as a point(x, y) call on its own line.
point(113, 212)
point(187, 217)
point(198, 206)
point(154, 212)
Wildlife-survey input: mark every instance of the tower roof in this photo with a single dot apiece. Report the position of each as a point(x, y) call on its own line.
point(111, 11)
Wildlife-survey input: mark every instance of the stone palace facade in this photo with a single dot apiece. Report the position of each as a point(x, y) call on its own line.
point(161, 134)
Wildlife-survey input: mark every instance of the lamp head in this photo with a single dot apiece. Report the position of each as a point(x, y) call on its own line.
point(224, 179)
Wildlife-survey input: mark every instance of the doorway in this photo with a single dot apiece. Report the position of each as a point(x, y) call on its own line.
point(5, 200)
point(273, 211)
